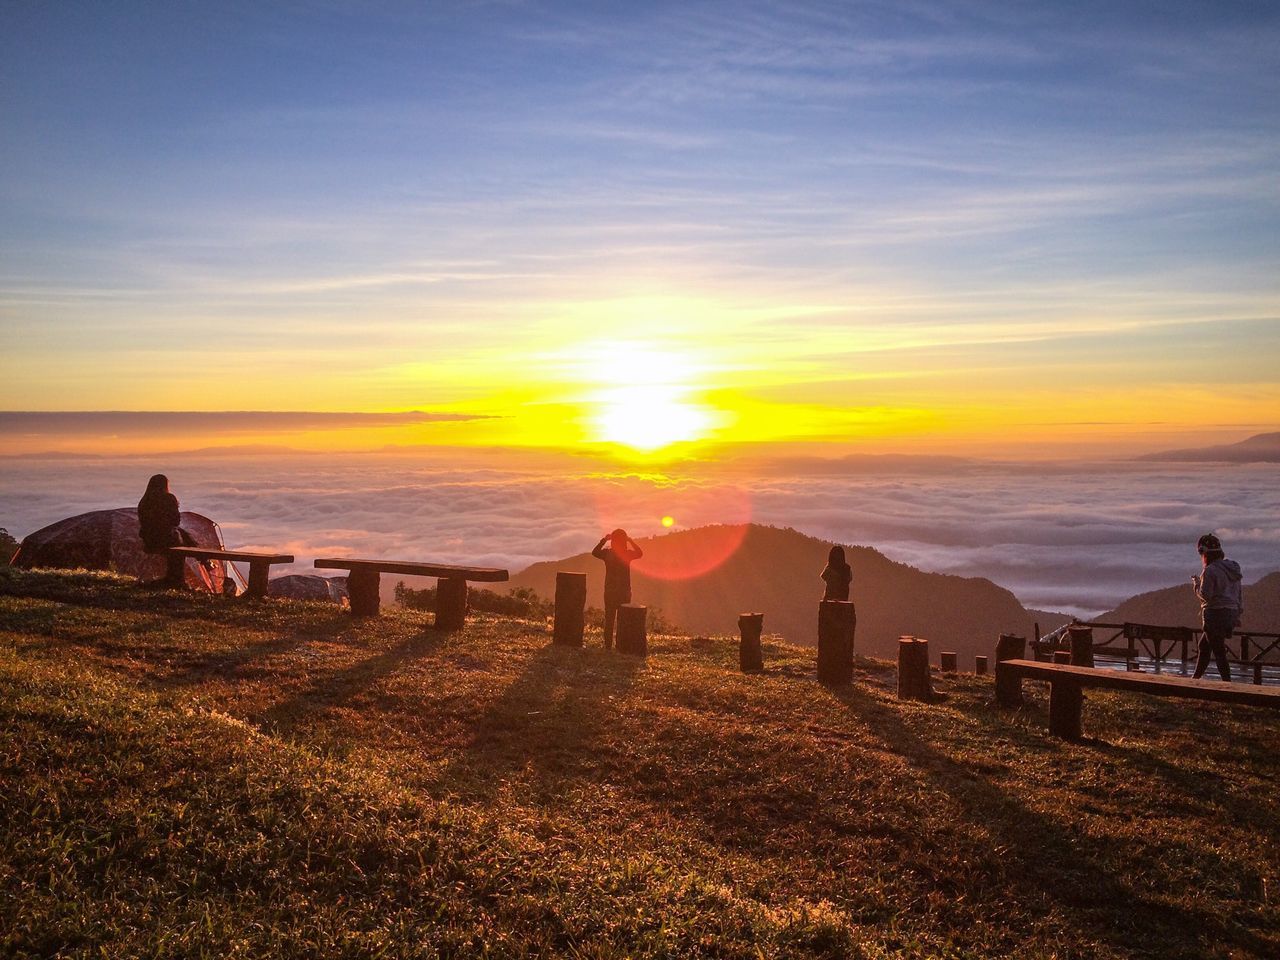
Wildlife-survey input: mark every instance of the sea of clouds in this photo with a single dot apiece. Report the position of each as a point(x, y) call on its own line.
point(1077, 538)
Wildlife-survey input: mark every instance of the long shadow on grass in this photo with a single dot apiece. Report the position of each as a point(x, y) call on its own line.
point(87, 590)
point(1049, 861)
point(548, 728)
point(339, 687)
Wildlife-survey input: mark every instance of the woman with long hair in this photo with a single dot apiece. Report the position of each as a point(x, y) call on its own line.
point(837, 575)
point(159, 523)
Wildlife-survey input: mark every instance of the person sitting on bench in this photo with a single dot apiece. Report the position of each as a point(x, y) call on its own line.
point(159, 522)
point(1221, 603)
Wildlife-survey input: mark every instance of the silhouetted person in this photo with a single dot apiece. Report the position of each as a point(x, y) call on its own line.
point(159, 525)
point(838, 576)
point(618, 557)
point(1221, 603)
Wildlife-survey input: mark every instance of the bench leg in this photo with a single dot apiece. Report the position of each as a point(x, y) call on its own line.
point(1066, 702)
point(451, 604)
point(257, 579)
point(362, 587)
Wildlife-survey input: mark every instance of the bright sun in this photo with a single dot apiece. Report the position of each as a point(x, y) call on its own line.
point(650, 417)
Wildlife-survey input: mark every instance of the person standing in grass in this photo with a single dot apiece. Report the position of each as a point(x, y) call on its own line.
point(1221, 597)
point(159, 522)
point(618, 556)
point(837, 575)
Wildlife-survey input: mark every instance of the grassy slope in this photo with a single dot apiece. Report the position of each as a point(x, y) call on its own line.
point(192, 776)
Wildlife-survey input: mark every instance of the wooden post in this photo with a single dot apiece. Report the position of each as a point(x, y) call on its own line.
point(632, 636)
point(1257, 672)
point(1062, 656)
point(947, 660)
point(451, 603)
point(750, 657)
point(914, 682)
point(362, 590)
point(836, 622)
point(1081, 645)
point(980, 666)
point(258, 571)
point(1244, 646)
point(1009, 685)
point(571, 609)
point(1065, 704)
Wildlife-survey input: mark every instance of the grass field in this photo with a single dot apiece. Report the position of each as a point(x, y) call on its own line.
point(190, 776)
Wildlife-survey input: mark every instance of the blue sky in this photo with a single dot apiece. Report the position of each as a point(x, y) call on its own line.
point(393, 206)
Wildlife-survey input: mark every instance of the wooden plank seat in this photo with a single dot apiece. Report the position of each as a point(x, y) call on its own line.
point(451, 584)
point(1067, 682)
point(259, 564)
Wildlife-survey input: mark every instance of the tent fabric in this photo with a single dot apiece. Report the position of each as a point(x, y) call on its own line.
point(109, 540)
point(309, 586)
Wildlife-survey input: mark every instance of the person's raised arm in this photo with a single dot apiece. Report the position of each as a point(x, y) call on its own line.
point(636, 552)
point(598, 552)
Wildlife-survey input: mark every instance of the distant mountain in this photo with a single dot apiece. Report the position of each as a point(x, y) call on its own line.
point(1178, 607)
point(702, 579)
point(1263, 448)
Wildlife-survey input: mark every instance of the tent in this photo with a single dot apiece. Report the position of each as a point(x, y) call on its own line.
point(109, 540)
point(309, 586)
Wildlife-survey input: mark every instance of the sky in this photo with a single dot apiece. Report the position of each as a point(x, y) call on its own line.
point(921, 227)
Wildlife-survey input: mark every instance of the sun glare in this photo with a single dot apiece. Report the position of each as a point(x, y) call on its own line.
point(650, 417)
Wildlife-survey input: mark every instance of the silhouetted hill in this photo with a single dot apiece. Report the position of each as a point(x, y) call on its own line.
point(776, 571)
point(1262, 448)
point(1178, 606)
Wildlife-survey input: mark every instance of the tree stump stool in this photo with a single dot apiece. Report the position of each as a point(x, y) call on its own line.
point(1009, 686)
point(633, 639)
point(1062, 656)
point(949, 662)
point(750, 657)
point(836, 623)
point(980, 666)
point(914, 682)
point(1081, 645)
point(362, 592)
point(451, 604)
point(571, 609)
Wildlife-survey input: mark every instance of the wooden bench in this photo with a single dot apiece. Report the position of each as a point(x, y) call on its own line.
point(259, 564)
point(451, 584)
point(1066, 684)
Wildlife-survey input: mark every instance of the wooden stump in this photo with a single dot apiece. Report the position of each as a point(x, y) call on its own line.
point(1008, 685)
point(632, 635)
point(362, 589)
point(836, 623)
point(1081, 645)
point(571, 609)
point(980, 666)
point(258, 572)
point(1062, 656)
point(750, 657)
point(948, 661)
point(914, 682)
point(451, 604)
point(1066, 701)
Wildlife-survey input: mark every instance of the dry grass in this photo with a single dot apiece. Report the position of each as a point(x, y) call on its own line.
point(350, 786)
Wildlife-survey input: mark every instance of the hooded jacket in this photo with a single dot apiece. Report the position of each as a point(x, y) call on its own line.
point(1219, 588)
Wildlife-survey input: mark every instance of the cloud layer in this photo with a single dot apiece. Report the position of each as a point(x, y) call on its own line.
point(1079, 540)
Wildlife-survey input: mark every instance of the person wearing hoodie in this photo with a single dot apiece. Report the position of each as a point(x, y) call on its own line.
point(1221, 603)
point(159, 525)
